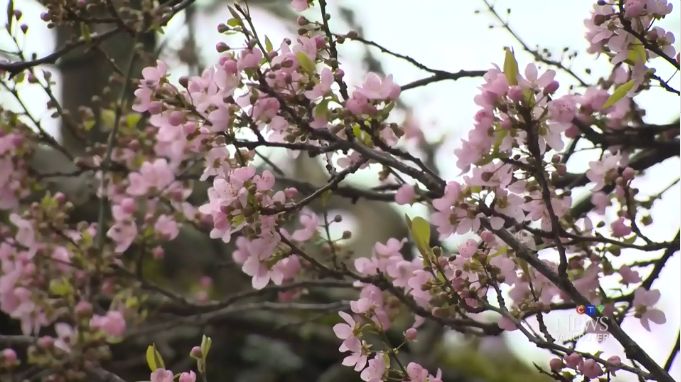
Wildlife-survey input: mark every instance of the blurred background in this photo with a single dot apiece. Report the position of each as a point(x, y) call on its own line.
point(443, 34)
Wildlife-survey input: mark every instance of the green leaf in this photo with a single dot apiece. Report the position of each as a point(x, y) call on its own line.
point(321, 111)
point(60, 287)
point(619, 93)
point(637, 54)
point(154, 358)
point(510, 67)
point(206, 343)
point(268, 44)
point(132, 119)
point(420, 231)
point(234, 22)
point(108, 117)
point(305, 62)
point(85, 32)
point(88, 124)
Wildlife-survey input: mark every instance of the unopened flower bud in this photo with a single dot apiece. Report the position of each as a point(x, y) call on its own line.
point(410, 334)
point(9, 357)
point(556, 364)
point(551, 87)
point(628, 173)
point(196, 353)
point(221, 47)
point(45, 342)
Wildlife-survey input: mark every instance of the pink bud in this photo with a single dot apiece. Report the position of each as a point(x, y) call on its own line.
point(158, 253)
point(45, 342)
point(206, 281)
point(221, 47)
point(291, 193)
point(9, 357)
point(128, 205)
point(176, 118)
point(551, 87)
point(619, 229)
point(487, 236)
point(556, 364)
point(615, 361)
point(573, 360)
point(515, 93)
point(196, 352)
point(410, 334)
point(591, 369)
point(83, 309)
point(187, 377)
point(628, 173)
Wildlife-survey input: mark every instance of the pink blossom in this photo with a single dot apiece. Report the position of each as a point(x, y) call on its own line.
point(532, 80)
point(357, 356)
point(249, 58)
point(167, 227)
point(345, 330)
point(122, 233)
point(619, 229)
point(603, 171)
point(417, 373)
point(189, 376)
point(600, 200)
point(507, 324)
point(112, 324)
point(563, 109)
point(375, 88)
point(375, 370)
point(152, 176)
point(628, 275)
point(643, 304)
point(153, 74)
point(162, 375)
point(255, 257)
point(405, 194)
point(323, 86)
point(310, 223)
point(443, 207)
point(348, 333)
point(300, 5)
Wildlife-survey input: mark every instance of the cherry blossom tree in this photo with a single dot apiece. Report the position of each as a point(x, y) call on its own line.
point(520, 235)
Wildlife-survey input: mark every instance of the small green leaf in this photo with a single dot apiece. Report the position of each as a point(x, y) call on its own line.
point(88, 124)
point(60, 287)
point(132, 119)
point(108, 117)
point(510, 67)
point(268, 44)
point(154, 358)
point(305, 62)
point(234, 22)
point(420, 231)
point(619, 93)
point(206, 343)
point(85, 32)
point(637, 54)
point(321, 111)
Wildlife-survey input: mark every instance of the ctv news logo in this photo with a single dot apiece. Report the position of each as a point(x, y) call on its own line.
point(587, 323)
